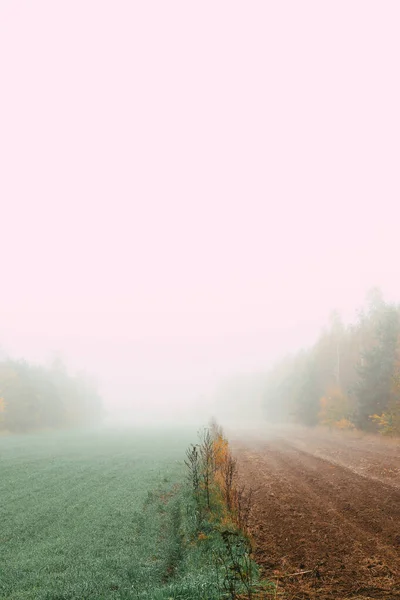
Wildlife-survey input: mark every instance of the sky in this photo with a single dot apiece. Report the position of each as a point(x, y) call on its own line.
point(187, 189)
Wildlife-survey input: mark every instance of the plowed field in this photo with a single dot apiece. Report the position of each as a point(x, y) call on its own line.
point(326, 516)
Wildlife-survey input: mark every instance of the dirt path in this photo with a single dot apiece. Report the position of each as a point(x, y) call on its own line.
point(327, 505)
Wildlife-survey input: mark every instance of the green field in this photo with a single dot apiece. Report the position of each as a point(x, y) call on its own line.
point(96, 515)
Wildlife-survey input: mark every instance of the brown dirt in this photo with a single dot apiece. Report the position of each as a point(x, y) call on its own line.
point(327, 504)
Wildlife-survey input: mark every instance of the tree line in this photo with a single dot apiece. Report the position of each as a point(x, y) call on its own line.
point(35, 397)
point(350, 378)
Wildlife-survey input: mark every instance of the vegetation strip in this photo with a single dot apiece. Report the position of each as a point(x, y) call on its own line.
point(221, 509)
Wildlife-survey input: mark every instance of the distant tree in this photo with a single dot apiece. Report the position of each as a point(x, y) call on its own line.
point(335, 409)
point(2, 411)
point(337, 332)
point(388, 422)
point(35, 397)
point(377, 366)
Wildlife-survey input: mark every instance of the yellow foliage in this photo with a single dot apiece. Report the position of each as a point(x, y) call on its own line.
point(221, 451)
point(334, 409)
point(2, 405)
point(323, 403)
point(226, 521)
point(388, 423)
point(219, 478)
point(344, 424)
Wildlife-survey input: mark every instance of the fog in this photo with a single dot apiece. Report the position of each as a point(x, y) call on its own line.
point(188, 190)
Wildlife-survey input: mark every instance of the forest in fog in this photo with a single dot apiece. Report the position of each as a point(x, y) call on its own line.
point(34, 397)
point(350, 377)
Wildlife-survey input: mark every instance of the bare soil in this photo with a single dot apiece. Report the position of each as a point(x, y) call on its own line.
point(326, 515)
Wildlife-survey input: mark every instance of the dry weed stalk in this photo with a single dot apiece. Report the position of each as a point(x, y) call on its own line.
point(243, 504)
point(208, 465)
point(229, 473)
point(193, 464)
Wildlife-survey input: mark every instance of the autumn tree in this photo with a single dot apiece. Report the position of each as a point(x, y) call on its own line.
point(335, 409)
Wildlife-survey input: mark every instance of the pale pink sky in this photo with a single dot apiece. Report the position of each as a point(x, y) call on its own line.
point(187, 188)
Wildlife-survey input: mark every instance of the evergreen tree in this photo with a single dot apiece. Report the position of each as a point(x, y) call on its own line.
point(376, 368)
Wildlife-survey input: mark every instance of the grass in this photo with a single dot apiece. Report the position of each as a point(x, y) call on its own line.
point(86, 515)
point(103, 515)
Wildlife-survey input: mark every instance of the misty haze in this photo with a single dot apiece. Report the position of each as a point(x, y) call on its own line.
point(200, 307)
